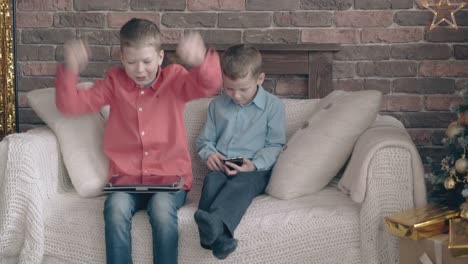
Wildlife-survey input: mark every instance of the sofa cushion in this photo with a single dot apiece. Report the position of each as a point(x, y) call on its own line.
point(80, 140)
point(318, 150)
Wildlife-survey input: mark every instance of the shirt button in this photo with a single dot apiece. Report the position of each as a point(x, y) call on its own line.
point(142, 92)
point(142, 133)
point(140, 109)
point(146, 153)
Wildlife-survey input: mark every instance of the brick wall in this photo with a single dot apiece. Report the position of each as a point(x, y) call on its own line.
point(386, 45)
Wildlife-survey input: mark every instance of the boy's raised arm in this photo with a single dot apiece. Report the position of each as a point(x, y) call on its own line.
point(204, 78)
point(70, 100)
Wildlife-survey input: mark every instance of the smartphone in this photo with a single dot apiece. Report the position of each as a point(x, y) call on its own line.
point(238, 161)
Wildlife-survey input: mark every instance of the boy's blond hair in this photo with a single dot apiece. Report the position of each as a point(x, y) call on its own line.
point(240, 60)
point(138, 32)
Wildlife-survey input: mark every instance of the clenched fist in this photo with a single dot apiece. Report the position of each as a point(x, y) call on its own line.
point(76, 54)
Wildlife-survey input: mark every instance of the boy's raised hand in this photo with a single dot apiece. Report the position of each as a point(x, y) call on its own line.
point(76, 54)
point(191, 49)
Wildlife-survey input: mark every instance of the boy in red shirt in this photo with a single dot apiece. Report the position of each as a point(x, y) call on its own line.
point(145, 137)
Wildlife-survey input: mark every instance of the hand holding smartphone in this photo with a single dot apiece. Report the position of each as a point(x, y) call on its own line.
point(239, 161)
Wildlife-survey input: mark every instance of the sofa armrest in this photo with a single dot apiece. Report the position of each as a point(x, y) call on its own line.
point(385, 174)
point(33, 175)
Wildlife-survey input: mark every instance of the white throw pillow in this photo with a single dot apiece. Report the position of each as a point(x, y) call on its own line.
point(80, 140)
point(318, 150)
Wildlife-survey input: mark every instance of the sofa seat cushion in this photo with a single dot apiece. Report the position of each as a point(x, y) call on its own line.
point(322, 228)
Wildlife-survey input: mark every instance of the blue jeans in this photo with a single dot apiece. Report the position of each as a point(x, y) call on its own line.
point(228, 197)
point(162, 207)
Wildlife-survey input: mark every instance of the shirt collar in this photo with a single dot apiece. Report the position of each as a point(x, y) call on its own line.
point(260, 98)
point(156, 80)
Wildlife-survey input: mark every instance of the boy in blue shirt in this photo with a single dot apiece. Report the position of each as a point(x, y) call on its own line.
point(245, 121)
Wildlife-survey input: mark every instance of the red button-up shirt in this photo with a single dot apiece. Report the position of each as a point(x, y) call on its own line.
point(145, 136)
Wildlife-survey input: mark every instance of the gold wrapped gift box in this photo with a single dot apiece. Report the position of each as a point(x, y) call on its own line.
point(458, 237)
point(421, 222)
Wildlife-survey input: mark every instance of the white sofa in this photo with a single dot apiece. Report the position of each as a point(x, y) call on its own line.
point(43, 220)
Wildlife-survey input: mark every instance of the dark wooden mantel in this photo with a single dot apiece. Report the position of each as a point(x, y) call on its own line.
point(312, 60)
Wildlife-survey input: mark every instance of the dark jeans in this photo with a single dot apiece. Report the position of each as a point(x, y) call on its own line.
point(228, 197)
point(162, 207)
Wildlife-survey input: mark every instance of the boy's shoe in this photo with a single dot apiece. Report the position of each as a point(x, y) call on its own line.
point(224, 246)
point(209, 227)
point(205, 246)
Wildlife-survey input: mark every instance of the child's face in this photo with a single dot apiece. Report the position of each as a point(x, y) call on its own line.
point(242, 90)
point(142, 63)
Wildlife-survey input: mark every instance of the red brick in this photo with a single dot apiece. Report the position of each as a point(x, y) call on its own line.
point(326, 4)
point(118, 19)
point(98, 53)
point(115, 53)
point(344, 70)
point(218, 5)
point(363, 19)
point(421, 51)
point(460, 52)
point(244, 20)
point(104, 5)
point(272, 5)
point(79, 20)
point(383, 85)
point(387, 69)
point(413, 18)
point(348, 84)
point(363, 52)
point(189, 20)
point(158, 5)
point(447, 34)
point(442, 102)
point(46, 36)
point(99, 37)
point(444, 68)
point(420, 136)
point(402, 103)
point(291, 86)
point(171, 36)
point(303, 19)
point(332, 35)
point(35, 82)
point(33, 19)
point(461, 85)
point(392, 35)
point(22, 100)
point(383, 4)
point(271, 36)
point(35, 52)
point(44, 5)
point(39, 68)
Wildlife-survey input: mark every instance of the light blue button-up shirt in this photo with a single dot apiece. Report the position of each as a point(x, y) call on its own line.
point(255, 131)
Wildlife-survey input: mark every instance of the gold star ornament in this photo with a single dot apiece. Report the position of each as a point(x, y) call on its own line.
point(444, 11)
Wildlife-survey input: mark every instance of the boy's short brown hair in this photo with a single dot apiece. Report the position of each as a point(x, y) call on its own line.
point(137, 32)
point(240, 60)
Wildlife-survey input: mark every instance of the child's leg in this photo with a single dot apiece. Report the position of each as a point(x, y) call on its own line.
point(162, 211)
point(212, 184)
point(232, 202)
point(119, 209)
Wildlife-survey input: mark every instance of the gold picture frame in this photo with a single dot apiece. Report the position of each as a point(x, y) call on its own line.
point(7, 70)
